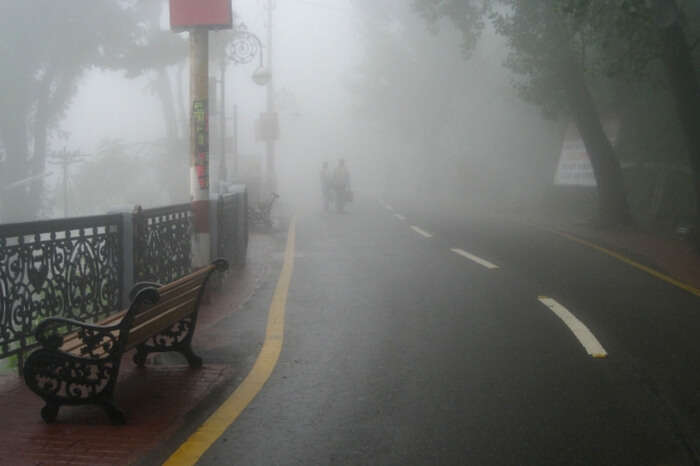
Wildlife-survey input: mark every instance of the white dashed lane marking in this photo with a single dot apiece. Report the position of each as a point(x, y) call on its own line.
point(474, 258)
point(421, 232)
point(587, 339)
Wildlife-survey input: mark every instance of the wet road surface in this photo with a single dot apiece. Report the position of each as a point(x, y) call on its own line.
point(417, 338)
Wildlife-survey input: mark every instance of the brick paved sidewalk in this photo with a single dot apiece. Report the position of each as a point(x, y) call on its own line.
point(156, 399)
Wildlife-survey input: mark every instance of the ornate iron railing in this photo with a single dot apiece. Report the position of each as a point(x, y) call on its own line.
point(71, 268)
point(82, 268)
point(232, 221)
point(162, 243)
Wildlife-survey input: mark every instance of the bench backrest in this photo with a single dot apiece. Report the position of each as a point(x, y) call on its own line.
point(177, 300)
point(152, 311)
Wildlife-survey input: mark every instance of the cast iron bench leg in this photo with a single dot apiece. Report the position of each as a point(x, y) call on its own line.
point(140, 356)
point(115, 414)
point(194, 361)
point(49, 412)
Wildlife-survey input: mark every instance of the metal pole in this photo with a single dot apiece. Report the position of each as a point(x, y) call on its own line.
point(65, 183)
point(199, 145)
point(235, 140)
point(270, 95)
point(223, 175)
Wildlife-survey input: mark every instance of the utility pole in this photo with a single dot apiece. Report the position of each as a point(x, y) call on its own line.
point(65, 159)
point(199, 144)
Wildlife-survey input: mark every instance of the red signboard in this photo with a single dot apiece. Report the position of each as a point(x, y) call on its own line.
point(208, 14)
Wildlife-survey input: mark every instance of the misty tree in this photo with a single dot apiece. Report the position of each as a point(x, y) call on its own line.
point(408, 86)
point(99, 186)
point(160, 55)
point(565, 49)
point(45, 47)
point(393, 86)
point(437, 122)
point(638, 36)
point(551, 56)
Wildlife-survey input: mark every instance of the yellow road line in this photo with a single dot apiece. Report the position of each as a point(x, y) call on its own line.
point(194, 447)
point(649, 270)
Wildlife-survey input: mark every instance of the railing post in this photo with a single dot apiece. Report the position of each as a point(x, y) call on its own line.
point(214, 226)
point(127, 257)
point(242, 226)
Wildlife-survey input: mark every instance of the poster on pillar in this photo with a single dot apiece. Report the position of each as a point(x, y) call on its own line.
point(200, 121)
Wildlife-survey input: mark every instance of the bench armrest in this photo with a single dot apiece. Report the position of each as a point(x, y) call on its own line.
point(141, 286)
point(220, 263)
point(46, 332)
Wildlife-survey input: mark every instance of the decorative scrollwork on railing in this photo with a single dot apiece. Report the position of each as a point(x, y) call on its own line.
point(70, 268)
point(162, 243)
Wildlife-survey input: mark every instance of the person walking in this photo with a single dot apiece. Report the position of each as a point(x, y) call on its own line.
point(326, 185)
point(341, 185)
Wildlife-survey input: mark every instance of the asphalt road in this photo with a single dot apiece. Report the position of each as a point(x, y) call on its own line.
point(398, 350)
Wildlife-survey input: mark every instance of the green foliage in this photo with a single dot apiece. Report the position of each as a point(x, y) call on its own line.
point(153, 48)
point(467, 15)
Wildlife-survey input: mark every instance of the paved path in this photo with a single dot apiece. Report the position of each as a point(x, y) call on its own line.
point(413, 338)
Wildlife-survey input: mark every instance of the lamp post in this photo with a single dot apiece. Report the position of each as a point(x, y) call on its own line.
point(269, 122)
point(242, 49)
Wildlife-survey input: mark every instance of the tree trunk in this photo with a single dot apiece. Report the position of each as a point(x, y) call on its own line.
point(174, 177)
point(612, 201)
point(13, 169)
point(165, 96)
point(37, 163)
point(683, 81)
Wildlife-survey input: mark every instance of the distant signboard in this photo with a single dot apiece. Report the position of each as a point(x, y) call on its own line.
point(208, 14)
point(574, 168)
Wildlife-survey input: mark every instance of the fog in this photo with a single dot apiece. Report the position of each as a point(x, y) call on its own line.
point(412, 116)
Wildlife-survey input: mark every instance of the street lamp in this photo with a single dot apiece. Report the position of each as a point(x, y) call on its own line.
point(242, 49)
point(261, 76)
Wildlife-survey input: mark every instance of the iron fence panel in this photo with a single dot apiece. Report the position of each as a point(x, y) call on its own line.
point(71, 268)
point(162, 243)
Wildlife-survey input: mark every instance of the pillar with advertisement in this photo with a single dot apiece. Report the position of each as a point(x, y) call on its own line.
point(198, 17)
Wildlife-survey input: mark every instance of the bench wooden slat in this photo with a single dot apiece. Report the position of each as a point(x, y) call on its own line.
point(199, 274)
point(74, 343)
point(184, 294)
point(187, 289)
point(72, 338)
point(164, 294)
point(161, 322)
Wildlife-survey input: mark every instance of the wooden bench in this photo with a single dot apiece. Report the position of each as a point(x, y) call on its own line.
point(81, 366)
